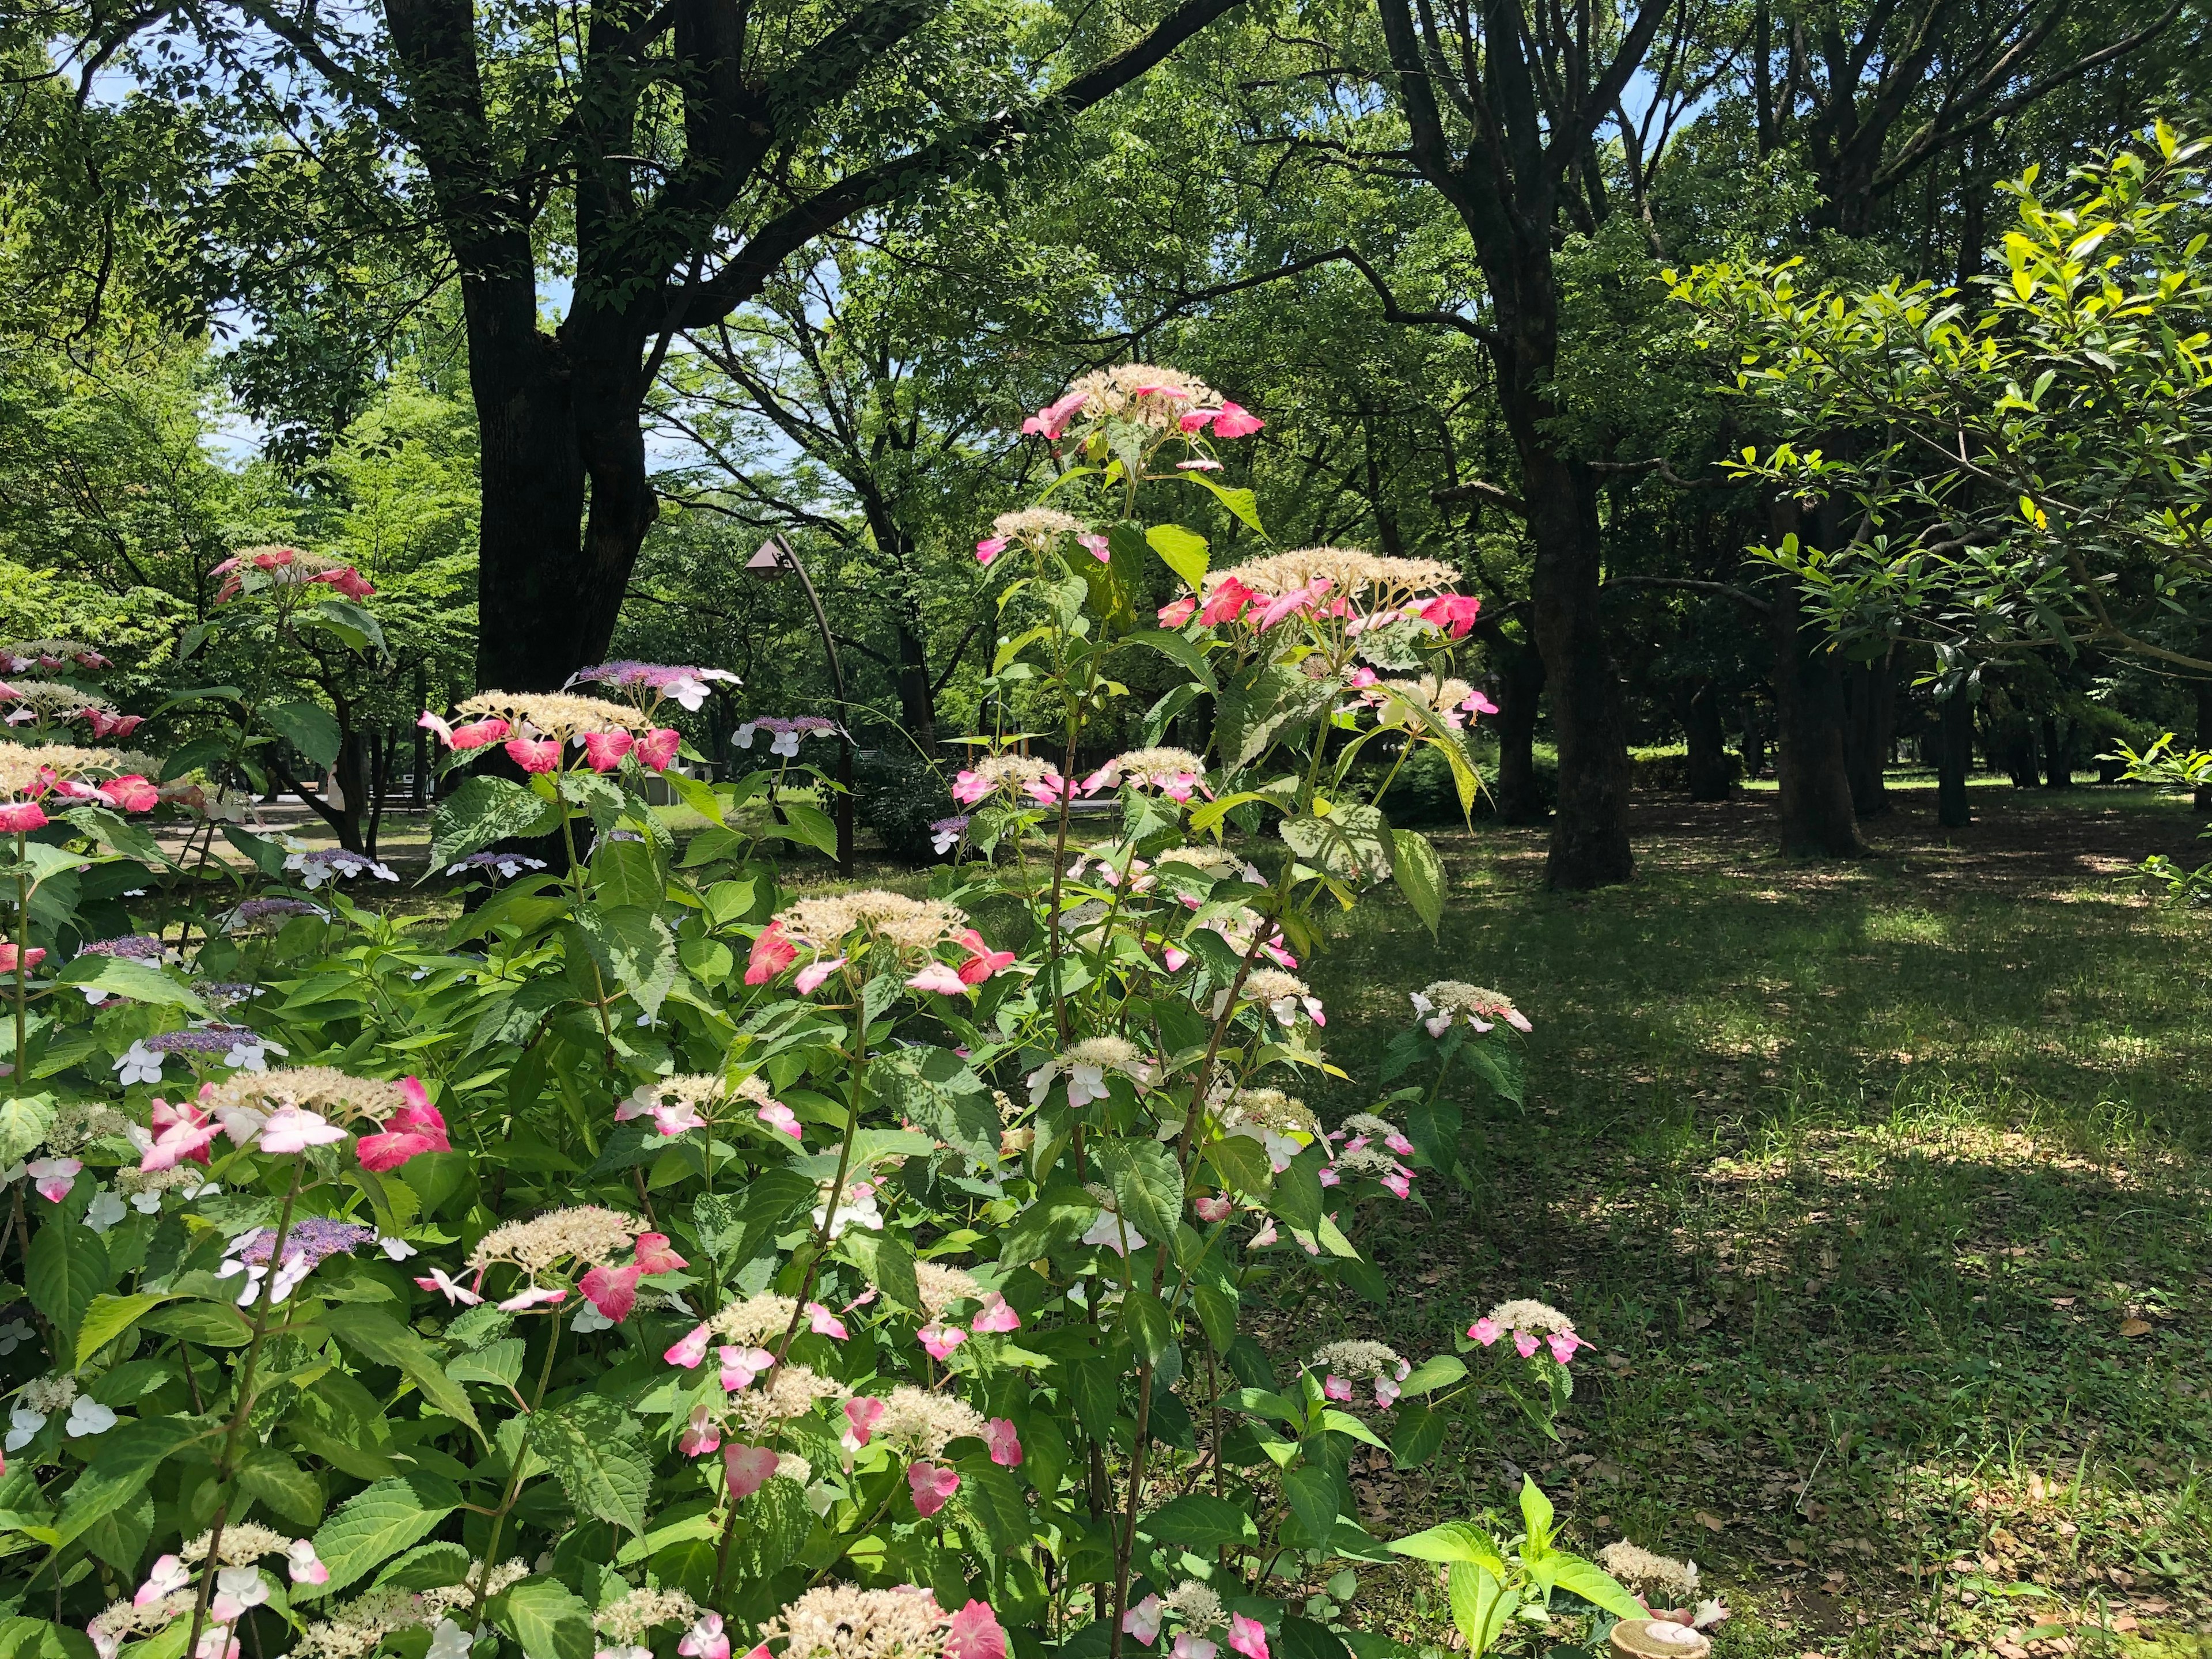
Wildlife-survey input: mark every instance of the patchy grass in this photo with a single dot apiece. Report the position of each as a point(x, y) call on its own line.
point(1882, 1189)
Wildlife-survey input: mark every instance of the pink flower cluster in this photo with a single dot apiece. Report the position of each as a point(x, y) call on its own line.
point(604, 751)
point(1232, 600)
point(613, 1290)
point(270, 560)
point(14, 662)
point(128, 793)
point(1562, 1344)
point(772, 952)
point(181, 1131)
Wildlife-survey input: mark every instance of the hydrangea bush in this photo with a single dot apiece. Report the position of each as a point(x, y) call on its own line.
point(665, 1261)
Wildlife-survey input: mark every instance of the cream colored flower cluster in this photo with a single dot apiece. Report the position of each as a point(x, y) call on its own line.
point(1267, 1108)
point(923, 1423)
point(1040, 528)
point(585, 1231)
point(561, 715)
point(941, 1287)
point(790, 1391)
point(627, 1619)
point(1358, 1358)
point(1143, 393)
point(1368, 581)
point(30, 769)
point(1537, 1318)
point(750, 1323)
point(906, 924)
point(322, 1089)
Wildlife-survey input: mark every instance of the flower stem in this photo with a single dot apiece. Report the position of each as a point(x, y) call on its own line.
point(226, 1462)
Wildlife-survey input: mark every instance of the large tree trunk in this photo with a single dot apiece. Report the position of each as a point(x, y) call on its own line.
point(1870, 710)
point(1816, 814)
point(1590, 721)
point(1520, 688)
point(917, 701)
point(2202, 801)
point(1702, 734)
point(2057, 773)
point(1954, 757)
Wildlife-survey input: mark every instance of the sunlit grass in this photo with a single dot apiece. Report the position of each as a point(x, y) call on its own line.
point(1858, 1175)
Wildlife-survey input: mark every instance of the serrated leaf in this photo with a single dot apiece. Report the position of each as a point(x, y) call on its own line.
point(108, 1317)
point(376, 1523)
point(139, 981)
point(125, 1459)
point(1311, 1491)
point(589, 1444)
point(633, 945)
point(1351, 843)
point(934, 1089)
point(64, 1269)
point(382, 1340)
point(1147, 1184)
point(1184, 552)
point(887, 1263)
point(484, 810)
point(274, 1480)
point(1203, 1520)
point(23, 1124)
point(1440, 1372)
point(1179, 650)
point(1421, 876)
point(309, 727)
point(548, 1620)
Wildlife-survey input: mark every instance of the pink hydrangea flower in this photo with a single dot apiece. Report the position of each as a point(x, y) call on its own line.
point(974, 1633)
point(1248, 1637)
point(941, 1339)
point(983, 961)
point(452, 1289)
point(933, 1485)
point(1235, 422)
point(1004, 1443)
point(862, 1413)
point(1142, 1620)
point(996, 1318)
point(415, 1128)
point(701, 1434)
point(989, 549)
point(21, 818)
point(771, 954)
point(304, 1564)
point(656, 750)
point(811, 975)
point(747, 1468)
point(534, 753)
point(1485, 1330)
point(531, 1296)
point(1175, 615)
point(603, 750)
point(1333, 1386)
point(1562, 1345)
point(939, 977)
point(690, 1348)
point(1049, 421)
point(294, 1128)
point(705, 1639)
point(612, 1290)
point(740, 1366)
point(1524, 1344)
point(1213, 1208)
point(823, 1322)
point(781, 1119)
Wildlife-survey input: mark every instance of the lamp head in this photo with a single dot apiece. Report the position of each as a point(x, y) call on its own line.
point(770, 561)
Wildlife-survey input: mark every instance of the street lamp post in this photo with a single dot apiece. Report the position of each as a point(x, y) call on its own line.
point(775, 558)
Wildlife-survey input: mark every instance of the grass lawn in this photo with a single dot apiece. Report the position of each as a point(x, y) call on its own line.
point(1881, 1188)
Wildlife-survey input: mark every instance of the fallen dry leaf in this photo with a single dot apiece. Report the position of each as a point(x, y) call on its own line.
point(1710, 1521)
point(2135, 1327)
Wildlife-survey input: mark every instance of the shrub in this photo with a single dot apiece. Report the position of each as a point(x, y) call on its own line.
point(661, 1260)
point(899, 795)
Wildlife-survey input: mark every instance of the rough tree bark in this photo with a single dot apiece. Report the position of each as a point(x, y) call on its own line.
point(1533, 112)
point(1871, 716)
point(2057, 773)
point(1815, 813)
point(1709, 777)
point(1955, 758)
point(1520, 689)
